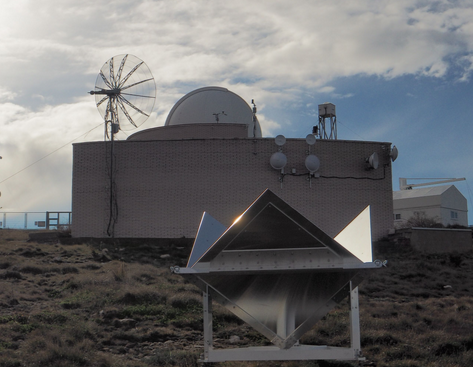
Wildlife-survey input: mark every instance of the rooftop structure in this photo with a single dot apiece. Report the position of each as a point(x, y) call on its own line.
point(213, 105)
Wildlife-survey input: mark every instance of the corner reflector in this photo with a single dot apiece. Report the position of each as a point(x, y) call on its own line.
point(280, 273)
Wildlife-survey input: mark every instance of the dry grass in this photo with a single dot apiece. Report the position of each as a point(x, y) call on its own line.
point(68, 305)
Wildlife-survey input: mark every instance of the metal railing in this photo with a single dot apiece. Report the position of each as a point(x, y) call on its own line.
point(35, 220)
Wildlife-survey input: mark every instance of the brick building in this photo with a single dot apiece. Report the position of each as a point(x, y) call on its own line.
point(165, 177)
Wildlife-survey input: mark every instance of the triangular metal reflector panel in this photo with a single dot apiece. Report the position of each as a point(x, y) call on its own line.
point(356, 237)
point(209, 231)
point(275, 269)
point(269, 224)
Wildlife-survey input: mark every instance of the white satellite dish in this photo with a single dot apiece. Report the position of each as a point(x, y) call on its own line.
point(310, 139)
point(280, 140)
point(373, 160)
point(394, 153)
point(278, 160)
point(312, 163)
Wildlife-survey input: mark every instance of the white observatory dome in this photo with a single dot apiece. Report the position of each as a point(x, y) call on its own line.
point(212, 105)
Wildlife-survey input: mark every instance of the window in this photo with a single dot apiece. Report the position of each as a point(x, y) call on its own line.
point(397, 216)
point(453, 215)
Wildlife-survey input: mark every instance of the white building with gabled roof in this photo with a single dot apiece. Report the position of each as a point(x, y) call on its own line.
point(443, 203)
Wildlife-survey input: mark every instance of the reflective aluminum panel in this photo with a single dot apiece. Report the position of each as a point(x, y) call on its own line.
point(276, 270)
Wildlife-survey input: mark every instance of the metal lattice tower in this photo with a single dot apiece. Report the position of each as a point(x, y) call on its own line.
point(327, 112)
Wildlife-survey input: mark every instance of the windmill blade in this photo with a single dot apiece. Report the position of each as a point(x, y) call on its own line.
point(132, 85)
point(120, 69)
point(107, 83)
point(131, 105)
point(125, 112)
point(130, 74)
point(102, 101)
point(119, 75)
point(137, 95)
point(112, 74)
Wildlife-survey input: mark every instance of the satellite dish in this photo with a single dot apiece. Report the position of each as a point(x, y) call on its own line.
point(312, 163)
point(373, 161)
point(394, 153)
point(125, 93)
point(280, 140)
point(278, 160)
point(310, 139)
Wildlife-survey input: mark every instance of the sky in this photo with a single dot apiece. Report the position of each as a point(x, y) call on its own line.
point(398, 71)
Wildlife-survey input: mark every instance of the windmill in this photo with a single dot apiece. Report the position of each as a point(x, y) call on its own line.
point(125, 93)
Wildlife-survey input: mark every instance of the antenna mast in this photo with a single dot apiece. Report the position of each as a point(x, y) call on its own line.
point(254, 116)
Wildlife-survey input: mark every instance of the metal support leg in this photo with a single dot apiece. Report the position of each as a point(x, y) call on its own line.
point(208, 340)
point(354, 320)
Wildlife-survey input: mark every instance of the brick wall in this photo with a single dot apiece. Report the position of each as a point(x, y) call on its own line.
point(162, 187)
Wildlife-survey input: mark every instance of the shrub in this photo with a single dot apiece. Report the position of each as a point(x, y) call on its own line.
point(143, 297)
point(5, 265)
point(10, 363)
point(51, 318)
point(91, 267)
point(35, 270)
point(10, 274)
point(448, 349)
point(385, 339)
point(424, 221)
point(164, 357)
point(186, 302)
point(143, 310)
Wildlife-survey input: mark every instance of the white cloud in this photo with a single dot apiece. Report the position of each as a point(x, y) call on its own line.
point(274, 51)
point(7, 95)
point(37, 153)
point(283, 44)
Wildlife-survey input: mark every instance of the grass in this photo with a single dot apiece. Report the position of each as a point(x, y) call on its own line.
point(68, 305)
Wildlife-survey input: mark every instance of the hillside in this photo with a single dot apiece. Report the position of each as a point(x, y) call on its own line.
point(119, 305)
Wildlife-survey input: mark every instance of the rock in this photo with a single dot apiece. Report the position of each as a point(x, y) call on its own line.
point(127, 323)
point(234, 339)
point(103, 256)
point(165, 256)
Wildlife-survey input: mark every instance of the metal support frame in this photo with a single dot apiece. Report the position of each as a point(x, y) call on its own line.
point(354, 320)
point(297, 352)
point(208, 325)
point(325, 133)
point(53, 220)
